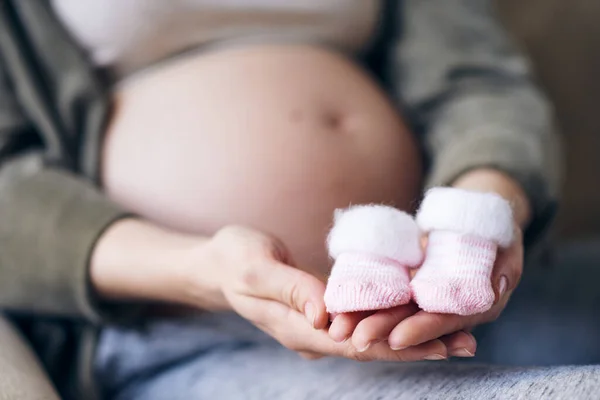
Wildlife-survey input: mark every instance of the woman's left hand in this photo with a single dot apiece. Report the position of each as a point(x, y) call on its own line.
point(424, 326)
point(411, 330)
point(507, 269)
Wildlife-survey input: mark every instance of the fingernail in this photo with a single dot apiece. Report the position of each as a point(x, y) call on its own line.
point(311, 315)
point(461, 353)
point(434, 357)
point(397, 348)
point(502, 285)
point(341, 340)
point(365, 348)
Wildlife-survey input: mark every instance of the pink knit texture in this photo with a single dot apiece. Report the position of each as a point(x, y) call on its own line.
point(456, 275)
point(361, 282)
point(372, 246)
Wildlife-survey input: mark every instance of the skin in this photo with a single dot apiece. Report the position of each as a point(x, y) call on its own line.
point(257, 279)
point(404, 327)
point(242, 143)
point(237, 269)
point(349, 146)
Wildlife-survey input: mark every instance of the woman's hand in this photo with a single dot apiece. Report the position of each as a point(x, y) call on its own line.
point(252, 270)
point(507, 270)
point(237, 269)
point(402, 327)
point(259, 283)
point(424, 326)
point(403, 331)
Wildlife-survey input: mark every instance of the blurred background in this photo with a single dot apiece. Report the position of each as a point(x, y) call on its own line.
point(563, 40)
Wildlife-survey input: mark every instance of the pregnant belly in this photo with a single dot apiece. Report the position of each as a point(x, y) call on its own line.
point(274, 138)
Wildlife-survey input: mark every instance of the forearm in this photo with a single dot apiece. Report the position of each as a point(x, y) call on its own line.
point(138, 261)
point(68, 250)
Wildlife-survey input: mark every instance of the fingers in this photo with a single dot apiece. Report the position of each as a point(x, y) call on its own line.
point(460, 344)
point(508, 268)
point(344, 324)
point(432, 351)
point(292, 287)
point(378, 326)
point(292, 330)
point(369, 330)
point(297, 335)
point(424, 326)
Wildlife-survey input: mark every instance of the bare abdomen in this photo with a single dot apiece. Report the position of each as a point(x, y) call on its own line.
point(274, 138)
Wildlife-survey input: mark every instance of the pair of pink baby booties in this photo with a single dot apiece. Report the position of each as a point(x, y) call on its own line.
point(374, 246)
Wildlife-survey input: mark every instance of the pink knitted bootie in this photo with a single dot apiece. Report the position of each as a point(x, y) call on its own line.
point(372, 246)
point(465, 230)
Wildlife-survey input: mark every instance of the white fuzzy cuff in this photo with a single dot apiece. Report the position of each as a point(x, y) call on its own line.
point(376, 230)
point(486, 215)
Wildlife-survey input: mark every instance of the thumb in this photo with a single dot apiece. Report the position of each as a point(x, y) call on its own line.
point(296, 289)
point(508, 268)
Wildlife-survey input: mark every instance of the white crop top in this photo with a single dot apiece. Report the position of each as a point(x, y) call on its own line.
point(127, 35)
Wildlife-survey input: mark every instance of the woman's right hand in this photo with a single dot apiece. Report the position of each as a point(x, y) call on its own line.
point(258, 280)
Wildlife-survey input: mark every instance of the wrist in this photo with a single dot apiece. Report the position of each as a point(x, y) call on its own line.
point(136, 260)
point(201, 278)
point(491, 180)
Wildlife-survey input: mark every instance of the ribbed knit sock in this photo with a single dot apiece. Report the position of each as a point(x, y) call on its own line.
point(456, 275)
point(372, 247)
point(465, 230)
